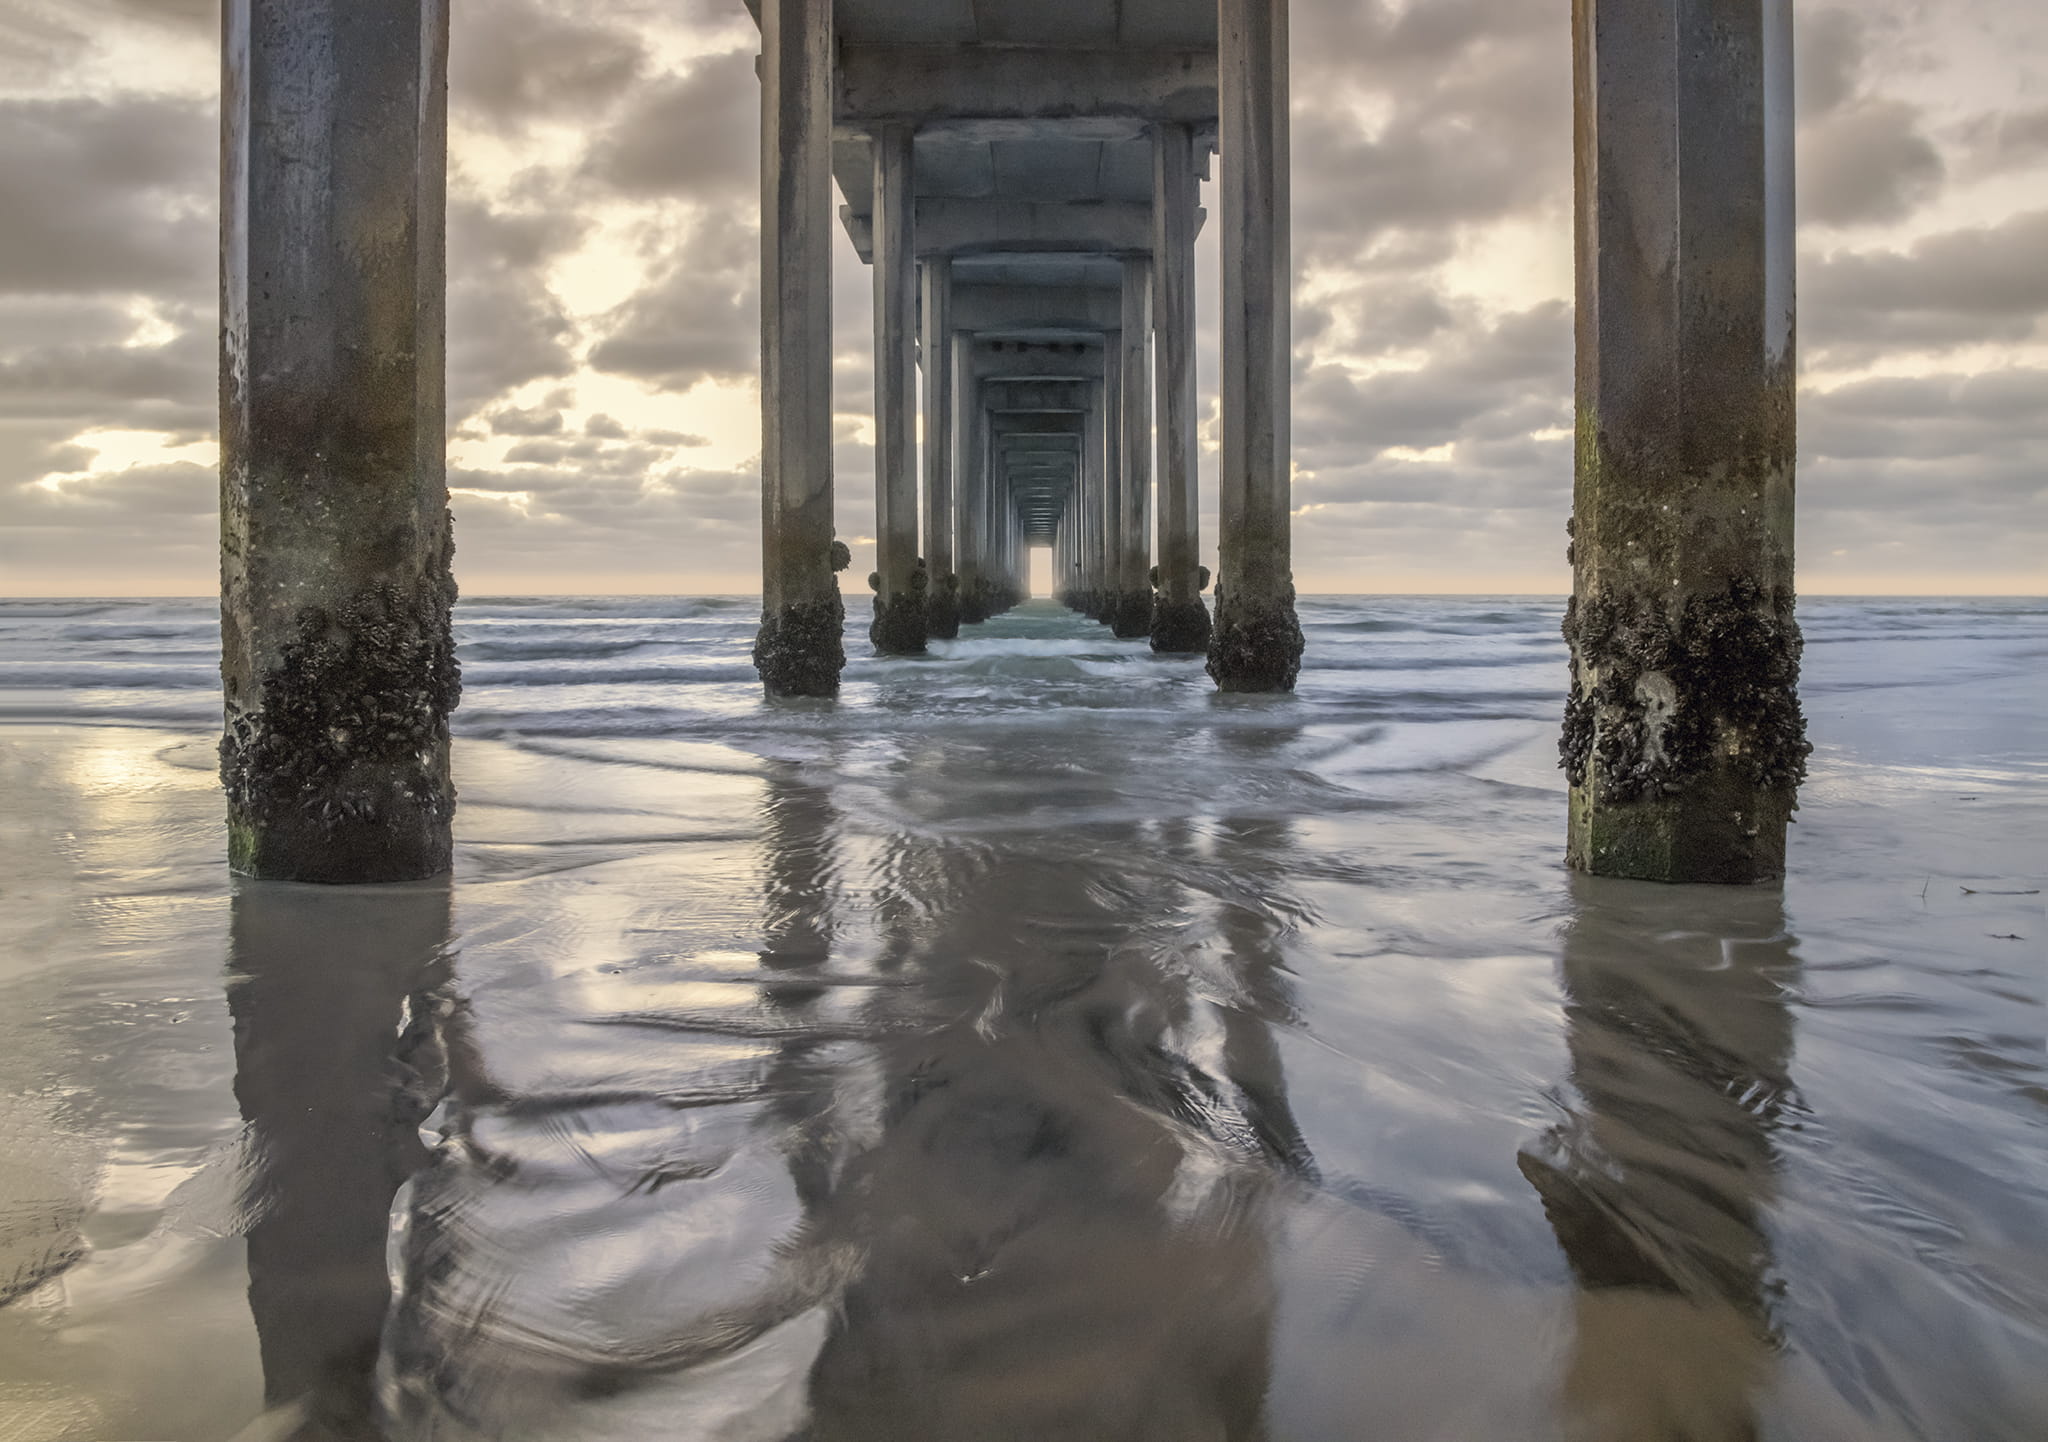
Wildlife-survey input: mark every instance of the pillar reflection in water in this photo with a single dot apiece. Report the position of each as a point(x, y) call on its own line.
point(1065, 1222)
point(338, 997)
point(627, 1231)
point(1659, 1181)
point(999, 1156)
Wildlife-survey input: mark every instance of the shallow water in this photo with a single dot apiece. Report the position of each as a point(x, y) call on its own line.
point(1034, 1044)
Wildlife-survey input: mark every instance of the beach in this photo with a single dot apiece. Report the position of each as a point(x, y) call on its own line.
point(1033, 1043)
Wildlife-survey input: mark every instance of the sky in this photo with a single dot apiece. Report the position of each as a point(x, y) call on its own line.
point(604, 422)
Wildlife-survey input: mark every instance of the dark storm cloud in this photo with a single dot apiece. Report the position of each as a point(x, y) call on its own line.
point(1866, 161)
point(140, 493)
point(2017, 140)
point(35, 322)
point(1864, 156)
point(505, 328)
point(518, 60)
point(197, 15)
point(1425, 117)
point(1485, 382)
point(536, 421)
point(107, 195)
point(696, 135)
point(1827, 59)
point(1956, 288)
point(151, 387)
point(1993, 416)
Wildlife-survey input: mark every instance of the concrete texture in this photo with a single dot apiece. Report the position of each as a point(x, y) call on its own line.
point(935, 349)
point(337, 663)
point(1683, 737)
point(1180, 622)
point(1257, 642)
point(1132, 612)
point(899, 626)
point(800, 650)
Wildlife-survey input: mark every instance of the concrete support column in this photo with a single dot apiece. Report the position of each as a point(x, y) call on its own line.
point(900, 582)
point(336, 658)
point(1133, 611)
point(970, 476)
point(799, 651)
point(1006, 528)
point(1257, 642)
point(1112, 477)
point(1180, 622)
point(1087, 506)
point(942, 599)
point(973, 482)
point(999, 535)
point(1683, 738)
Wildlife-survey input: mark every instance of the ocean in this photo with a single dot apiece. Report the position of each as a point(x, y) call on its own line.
point(1032, 1044)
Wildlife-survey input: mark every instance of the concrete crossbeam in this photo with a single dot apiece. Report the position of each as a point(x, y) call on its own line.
point(1051, 397)
point(919, 84)
point(973, 227)
point(1010, 309)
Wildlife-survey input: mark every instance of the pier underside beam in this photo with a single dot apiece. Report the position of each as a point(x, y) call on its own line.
point(337, 662)
point(1683, 738)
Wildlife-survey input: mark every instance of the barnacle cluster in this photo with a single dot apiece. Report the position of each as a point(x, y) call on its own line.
point(353, 717)
point(1672, 691)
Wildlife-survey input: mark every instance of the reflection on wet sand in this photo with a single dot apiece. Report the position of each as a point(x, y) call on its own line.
point(1009, 1178)
point(971, 1138)
point(1658, 1181)
point(338, 997)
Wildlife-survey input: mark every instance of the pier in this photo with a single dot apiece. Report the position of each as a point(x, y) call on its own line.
point(1024, 182)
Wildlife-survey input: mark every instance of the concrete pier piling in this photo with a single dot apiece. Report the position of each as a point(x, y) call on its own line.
point(971, 477)
point(942, 597)
point(1180, 622)
point(1111, 505)
point(800, 650)
point(899, 626)
point(1132, 615)
point(1097, 557)
point(1683, 739)
point(337, 662)
point(1257, 642)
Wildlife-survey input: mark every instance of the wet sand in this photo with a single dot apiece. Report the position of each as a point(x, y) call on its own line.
point(1111, 1069)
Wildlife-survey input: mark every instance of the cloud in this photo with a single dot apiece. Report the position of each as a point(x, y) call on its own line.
point(519, 61)
point(697, 134)
point(1866, 161)
point(1960, 287)
point(1507, 378)
point(108, 195)
point(167, 387)
point(609, 151)
point(505, 327)
point(698, 318)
